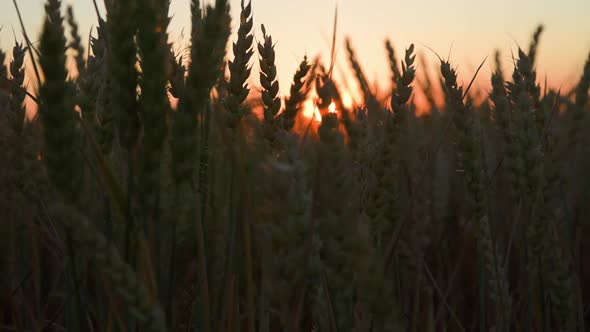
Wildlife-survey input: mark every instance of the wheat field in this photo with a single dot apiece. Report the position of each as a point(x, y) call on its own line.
point(154, 190)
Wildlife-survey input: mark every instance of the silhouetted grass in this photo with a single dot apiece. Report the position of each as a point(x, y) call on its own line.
point(119, 212)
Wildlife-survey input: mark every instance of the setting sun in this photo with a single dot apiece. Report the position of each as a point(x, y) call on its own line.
point(332, 108)
point(310, 110)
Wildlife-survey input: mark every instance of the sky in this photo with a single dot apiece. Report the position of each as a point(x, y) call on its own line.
point(468, 30)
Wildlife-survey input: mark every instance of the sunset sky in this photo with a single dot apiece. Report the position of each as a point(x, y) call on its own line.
point(473, 28)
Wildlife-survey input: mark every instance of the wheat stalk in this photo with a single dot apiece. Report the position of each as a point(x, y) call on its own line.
point(152, 40)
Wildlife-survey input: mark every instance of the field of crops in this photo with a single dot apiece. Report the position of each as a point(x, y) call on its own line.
point(157, 191)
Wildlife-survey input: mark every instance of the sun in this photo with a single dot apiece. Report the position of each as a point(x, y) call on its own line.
point(332, 108)
point(310, 110)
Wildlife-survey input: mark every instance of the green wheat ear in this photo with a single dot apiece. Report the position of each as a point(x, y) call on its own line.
point(18, 89)
point(403, 87)
point(534, 46)
point(392, 58)
point(298, 93)
point(3, 71)
point(122, 74)
point(268, 77)
point(209, 34)
point(76, 43)
point(497, 276)
point(152, 39)
point(426, 85)
point(344, 241)
point(95, 246)
point(289, 246)
point(358, 72)
point(240, 67)
point(270, 86)
point(61, 154)
point(580, 116)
